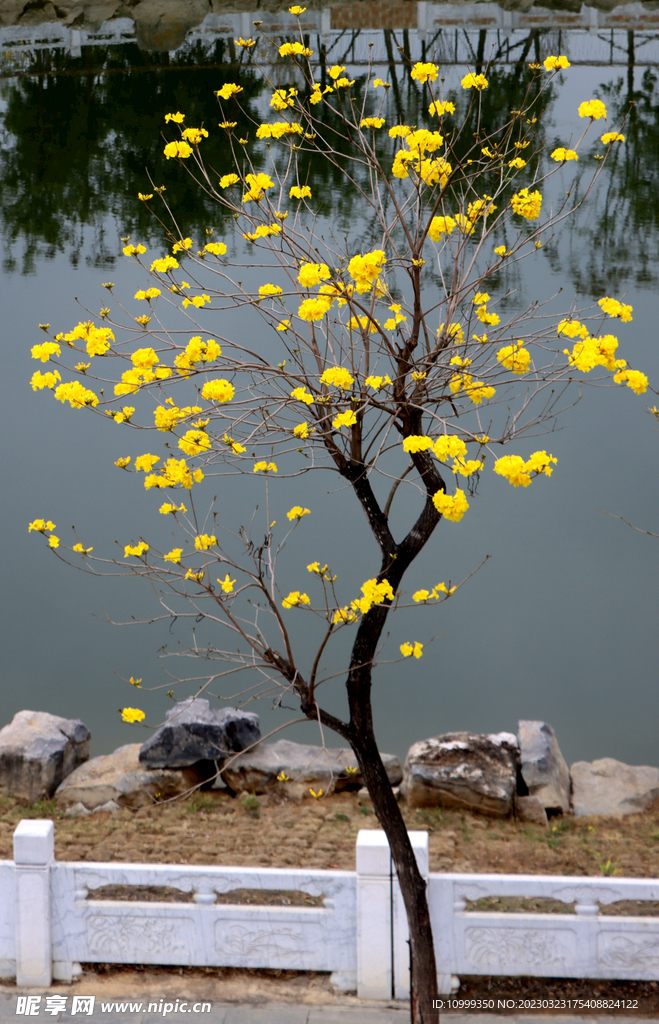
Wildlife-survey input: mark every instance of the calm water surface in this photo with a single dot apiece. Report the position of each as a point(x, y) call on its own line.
point(560, 625)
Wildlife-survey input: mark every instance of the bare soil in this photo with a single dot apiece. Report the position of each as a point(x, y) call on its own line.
point(214, 828)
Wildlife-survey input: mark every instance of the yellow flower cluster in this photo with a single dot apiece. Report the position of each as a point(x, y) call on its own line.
point(218, 391)
point(195, 442)
point(175, 472)
point(41, 525)
point(473, 81)
point(203, 542)
point(165, 263)
point(44, 380)
point(438, 109)
point(337, 377)
point(228, 90)
point(228, 179)
point(294, 50)
point(314, 309)
point(614, 308)
point(256, 184)
point(262, 231)
point(372, 593)
point(215, 248)
point(634, 379)
point(556, 63)
point(452, 507)
point(45, 351)
point(408, 650)
point(168, 417)
point(278, 130)
point(421, 596)
point(294, 599)
point(137, 550)
point(265, 467)
point(515, 357)
point(178, 149)
point(612, 137)
point(594, 109)
point(344, 419)
point(76, 395)
point(281, 100)
point(132, 715)
point(194, 135)
point(424, 72)
point(313, 273)
point(300, 192)
point(97, 339)
point(517, 472)
point(365, 270)
point(302, 395)
point(527, 204)
point(562, 155)
point(144, 462)
point(377, 382)
point(371, 122)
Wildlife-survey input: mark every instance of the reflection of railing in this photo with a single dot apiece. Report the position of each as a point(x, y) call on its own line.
point(451, 33)
point(51, 920)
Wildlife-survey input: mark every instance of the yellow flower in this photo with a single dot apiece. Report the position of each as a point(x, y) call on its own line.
point(408, 650)
point(518, 163)
point(313, 273)
point(297, 10)
point(301, 431)
point(421, 595)
point(122, 462)
point(302, 395)
point(371, 122)
point(612, 137)
point(417, 443)
point(168, 506)
point(315, 795)
point(135, 682)
point(164, 264)
point(194, 442)
point(517, 472)
point(562, 155)
point(146, 462)
point(269, 289)
point(196, 576)
point(174, 556)
point(338, 377)
point(501, 250)
point(634, 379)
point(424, 72)
point(380, 81)
point(218, 391)
point(176, 118)
point(294, 49)
point(283, 325)
point(527, 204)
point(452, 507)
point(479, 298)
point(336, 70)
point(203, 542)
point(53, 541)
point(244, 42)
point(178, 149)
point(137, 550)
point(298, 192)
point(440, 226)
point(45, 351)
point(594, 109)
point(44, 380)
point(215, 248)
point(194, 135)
point(377, 382)
point(297, 512)
point(265, 467)
point(314, 309)
point(132, 715)
point(228, 179)
point(515, 357)
point(344, 419)
point(226, 584)
point(294, 599)
point(556, 63)
point(228, 90)
point(441, 108)
point(473, 81)
point(76, 395)
point(615, 308)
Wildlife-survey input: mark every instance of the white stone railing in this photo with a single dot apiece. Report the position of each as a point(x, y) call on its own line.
point(51, 922)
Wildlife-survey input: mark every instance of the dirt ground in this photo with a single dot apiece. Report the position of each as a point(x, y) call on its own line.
point(214, 828)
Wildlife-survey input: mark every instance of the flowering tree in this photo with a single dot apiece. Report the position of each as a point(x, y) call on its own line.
point(382, 358)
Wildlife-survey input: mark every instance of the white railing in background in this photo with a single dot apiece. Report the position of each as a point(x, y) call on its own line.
point(450, 33)
point(51, 922)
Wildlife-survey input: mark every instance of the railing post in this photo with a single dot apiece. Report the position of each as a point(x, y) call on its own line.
point(34, 851)
point(374, 921)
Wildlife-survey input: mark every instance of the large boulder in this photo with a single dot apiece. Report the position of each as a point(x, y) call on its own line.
point(121, 777)
point(164, 24)
point(194, 732)
point(305, 767)
point(38, 751)
point(543, 766)
point(611, 789)
point(461, 769)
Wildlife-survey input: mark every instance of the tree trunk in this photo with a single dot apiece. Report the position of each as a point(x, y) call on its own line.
point(423, 969)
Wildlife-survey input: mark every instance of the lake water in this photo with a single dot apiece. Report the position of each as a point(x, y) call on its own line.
point(561, 624)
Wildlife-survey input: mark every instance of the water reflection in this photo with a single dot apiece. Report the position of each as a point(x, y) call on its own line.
point(80, 132)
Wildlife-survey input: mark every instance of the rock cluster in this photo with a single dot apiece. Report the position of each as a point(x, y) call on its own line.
point(499, 774)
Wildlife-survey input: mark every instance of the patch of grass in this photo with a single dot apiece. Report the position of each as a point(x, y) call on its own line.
point(42, 809)
point(341, 817)
point(250, 803)
point(365, 810)
point(200, 802)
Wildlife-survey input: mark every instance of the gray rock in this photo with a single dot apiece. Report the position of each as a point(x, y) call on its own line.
point(38, 751)
point(306, 767)
point(120, 777)
point(77, 811)
point(530, 809)
point(164, 24)
point(543, 766)
point(194, 732)
point(461, 769)
point(609, 788)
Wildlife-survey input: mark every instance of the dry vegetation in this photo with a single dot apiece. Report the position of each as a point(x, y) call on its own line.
point(214, 828)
